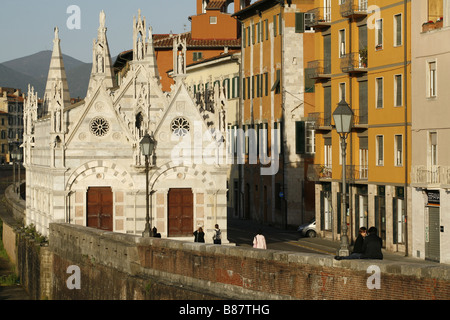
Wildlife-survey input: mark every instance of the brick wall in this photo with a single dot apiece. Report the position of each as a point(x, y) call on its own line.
point(118, 266)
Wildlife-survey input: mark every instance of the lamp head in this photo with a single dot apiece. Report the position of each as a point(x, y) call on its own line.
point(343, 116)
point(147, 145)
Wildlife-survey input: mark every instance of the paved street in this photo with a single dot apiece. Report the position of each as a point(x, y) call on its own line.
point(242, 232)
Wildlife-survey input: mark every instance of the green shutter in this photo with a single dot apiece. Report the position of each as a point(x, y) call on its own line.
point(299, 22)
point(280, 24)
point(309, 83)
point(266, 84)
point(267, 29)
point(244, 37)
point(300, 136)
point(275, 25)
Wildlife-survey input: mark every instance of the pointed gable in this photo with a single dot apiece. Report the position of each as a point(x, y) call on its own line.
point(57, 79)
point(102, 70)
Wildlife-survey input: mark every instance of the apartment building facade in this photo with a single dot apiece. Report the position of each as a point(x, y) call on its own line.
point(363, 58)
point(213, 32)
point(430, 130)
point(271, 140)
point(11, 106)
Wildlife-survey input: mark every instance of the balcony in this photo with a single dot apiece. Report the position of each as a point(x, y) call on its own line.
point(357, 173)
point(354, 62)
point(319, 172)
point(319, 18)
point(319, 69)
point(322, 172)
point(354, 9)
point(322, 121)
point(360, 119)
point(430, 176)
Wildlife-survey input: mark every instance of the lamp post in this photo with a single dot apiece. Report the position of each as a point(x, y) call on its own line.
point(343, 116)
point(14, 156)
point(19, 161)
point(147, 147)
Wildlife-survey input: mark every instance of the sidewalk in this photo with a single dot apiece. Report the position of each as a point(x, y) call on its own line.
point(332, 247)
point(242, 231)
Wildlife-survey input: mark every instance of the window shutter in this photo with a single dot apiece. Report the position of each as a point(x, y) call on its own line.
point(274, 25)
point(299, 22)
point(300, 137)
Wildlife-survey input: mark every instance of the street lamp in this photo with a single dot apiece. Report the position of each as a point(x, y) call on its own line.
point(14, 157)
point(343, 116)
point(19, 161)
point(147, 147)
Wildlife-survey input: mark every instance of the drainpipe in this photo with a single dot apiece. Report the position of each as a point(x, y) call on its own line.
point(285, 161)
point(405, 66)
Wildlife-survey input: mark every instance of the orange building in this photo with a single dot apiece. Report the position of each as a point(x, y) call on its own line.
point(276, 97)
point(213, 32)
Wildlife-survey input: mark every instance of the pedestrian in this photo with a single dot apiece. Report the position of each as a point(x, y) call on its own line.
point(217, 237)
point(358, 247)
point(199, 235)
point(372, 245)
point(155, 233)
point(259, 241)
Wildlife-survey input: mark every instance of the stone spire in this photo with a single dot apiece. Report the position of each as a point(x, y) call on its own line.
point(179, 57)
point(143, 49)
point(151, 56)
point(101, 59)
point(57, 89)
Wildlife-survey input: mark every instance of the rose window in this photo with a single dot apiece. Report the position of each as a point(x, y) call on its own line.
point(180, 127)
point(99, 127)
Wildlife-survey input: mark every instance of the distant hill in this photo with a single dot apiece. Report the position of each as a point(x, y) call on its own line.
point(33, 69)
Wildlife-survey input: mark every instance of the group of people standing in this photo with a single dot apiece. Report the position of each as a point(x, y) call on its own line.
point(199, 235)
point(367, 245)
point(259, 241)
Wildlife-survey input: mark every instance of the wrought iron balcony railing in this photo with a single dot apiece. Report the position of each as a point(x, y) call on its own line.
point(322, 121)
point(353, 8)
point(357, 173)
point(319, 69)
point(318, 172)
point(319, 17)
point(353, 63)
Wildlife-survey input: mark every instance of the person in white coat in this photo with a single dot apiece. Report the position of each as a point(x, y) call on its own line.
point(259, 241)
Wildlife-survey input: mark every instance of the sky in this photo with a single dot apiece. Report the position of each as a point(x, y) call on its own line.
point(27, 25)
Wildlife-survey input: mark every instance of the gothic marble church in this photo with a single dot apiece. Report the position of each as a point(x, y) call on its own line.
point(84, 163)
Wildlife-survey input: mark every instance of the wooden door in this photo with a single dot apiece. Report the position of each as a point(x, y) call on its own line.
point(181, 212)
point(100, 208)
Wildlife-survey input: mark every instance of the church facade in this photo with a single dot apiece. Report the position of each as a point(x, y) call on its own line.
point(84, 162)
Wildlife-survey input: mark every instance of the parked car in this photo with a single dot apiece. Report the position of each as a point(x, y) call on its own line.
point(308, 229)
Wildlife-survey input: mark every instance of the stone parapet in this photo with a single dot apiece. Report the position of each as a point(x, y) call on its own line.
point(119, 266)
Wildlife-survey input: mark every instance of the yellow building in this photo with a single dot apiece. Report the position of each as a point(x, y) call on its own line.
point(363, 57)
point(275, 101)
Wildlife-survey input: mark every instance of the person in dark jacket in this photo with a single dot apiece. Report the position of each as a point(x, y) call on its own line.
point(372, 245)
point(199, 235)
point(358, 247)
